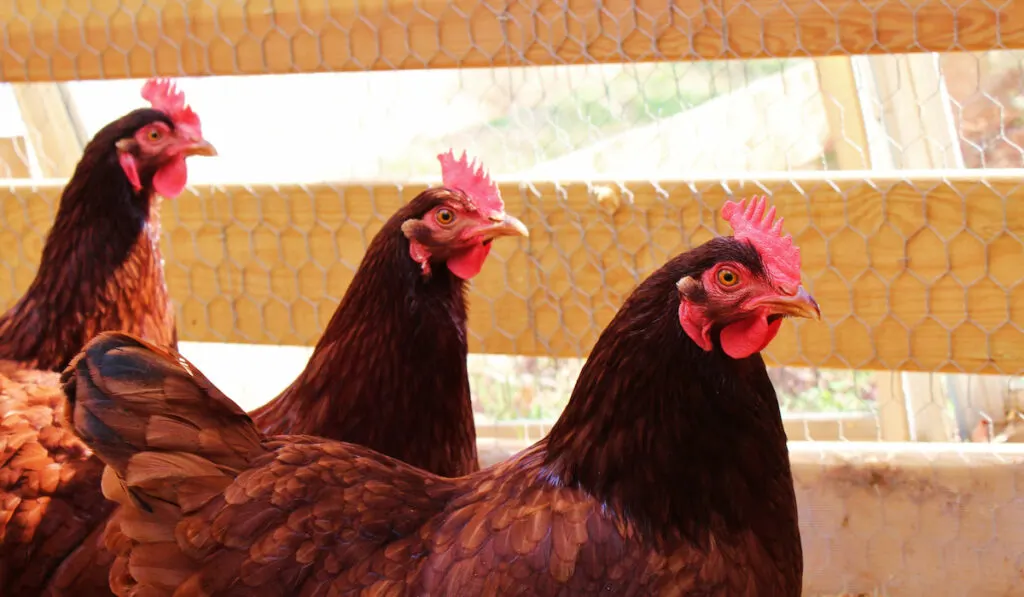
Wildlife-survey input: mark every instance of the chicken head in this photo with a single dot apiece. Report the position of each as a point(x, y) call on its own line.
point(466, 217)
point(153, 152)
point(752, 284)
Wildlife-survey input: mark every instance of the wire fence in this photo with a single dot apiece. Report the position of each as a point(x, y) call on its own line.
point(913, 274)
point(59, 40)
point(619, 127)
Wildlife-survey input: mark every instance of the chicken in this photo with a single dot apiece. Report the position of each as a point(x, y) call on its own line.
point(667, 474)
point(101, 269)
point(390, 372)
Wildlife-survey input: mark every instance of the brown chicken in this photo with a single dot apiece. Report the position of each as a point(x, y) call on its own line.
point(390, 372)
point(667, 474)
point(101, 269)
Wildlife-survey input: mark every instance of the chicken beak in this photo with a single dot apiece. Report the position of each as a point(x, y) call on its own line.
point(502, 225)
point(801, 304)
point(201, 147)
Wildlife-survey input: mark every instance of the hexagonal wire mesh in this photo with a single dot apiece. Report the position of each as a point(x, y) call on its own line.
point(912, 274)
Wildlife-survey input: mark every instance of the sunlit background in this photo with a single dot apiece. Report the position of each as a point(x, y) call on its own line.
point(570, 123)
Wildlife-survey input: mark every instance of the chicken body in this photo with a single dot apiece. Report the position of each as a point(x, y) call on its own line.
point(667, 474)
point(389, 372)
point(101, 269)
point(48, 482)
point(311, 517)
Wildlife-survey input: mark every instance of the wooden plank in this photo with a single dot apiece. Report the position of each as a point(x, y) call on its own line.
point(912, 273)
point(14, 158)
point(849, 138)
point(892, 518)
point(916, 112)
point(891, 406)
point(57, 139)
point(48, 40)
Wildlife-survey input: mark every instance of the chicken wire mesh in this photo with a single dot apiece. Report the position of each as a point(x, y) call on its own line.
point(914, 273)
point(926, 272)
point(90, 39)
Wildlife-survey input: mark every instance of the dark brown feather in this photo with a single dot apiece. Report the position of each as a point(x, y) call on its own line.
point(389, 372)
point(101, 267)
point(101, 270)
point(49, 484)
point(667, 474)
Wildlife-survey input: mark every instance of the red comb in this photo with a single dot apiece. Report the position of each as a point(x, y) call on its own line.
point(165, 96)
point(470, 178)
point(750, 222)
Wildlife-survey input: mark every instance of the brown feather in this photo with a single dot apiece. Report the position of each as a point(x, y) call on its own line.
point(101, 269)
point(50, 498)
point(667, 474)
point(159, 564)
point(389, 372)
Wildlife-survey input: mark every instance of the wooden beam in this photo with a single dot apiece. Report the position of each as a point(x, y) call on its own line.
point(57, 139)
point(915, 272)
point(46, 40)
point(849, 139)
point(14, 158)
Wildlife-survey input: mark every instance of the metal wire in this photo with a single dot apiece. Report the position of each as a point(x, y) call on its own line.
point(916, 274)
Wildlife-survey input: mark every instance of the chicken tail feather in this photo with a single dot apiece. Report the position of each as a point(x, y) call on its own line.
point(157, 422)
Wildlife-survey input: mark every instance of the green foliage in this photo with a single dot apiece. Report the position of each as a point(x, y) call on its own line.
point(821, 390)
point(515, 388)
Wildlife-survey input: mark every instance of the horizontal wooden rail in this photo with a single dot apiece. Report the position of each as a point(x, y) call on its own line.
point(916, 272)
point(57, 40)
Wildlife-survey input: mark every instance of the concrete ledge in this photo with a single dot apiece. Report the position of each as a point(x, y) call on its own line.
point(902, 519)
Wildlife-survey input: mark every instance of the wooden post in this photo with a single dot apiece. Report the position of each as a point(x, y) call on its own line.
point(975, 397)
point(917, 117)
point(838, 83)
point(55, 135)
point(13, 158)
point(838, 78)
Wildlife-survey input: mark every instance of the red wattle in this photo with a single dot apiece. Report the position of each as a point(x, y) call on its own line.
point(130, 169)
point(468, 263)
point(170, 180)
point(747, 336)
point(696, 331)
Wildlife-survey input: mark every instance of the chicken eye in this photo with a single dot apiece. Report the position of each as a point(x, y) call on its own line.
point(444, 216)
point(154, 134)
point(727, 277)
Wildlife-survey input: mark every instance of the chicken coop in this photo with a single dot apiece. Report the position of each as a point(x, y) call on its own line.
point(890, 135)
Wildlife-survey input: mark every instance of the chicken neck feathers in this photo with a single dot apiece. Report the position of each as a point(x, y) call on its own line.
point(101, 269)
point(389, 372)
point(652, 409)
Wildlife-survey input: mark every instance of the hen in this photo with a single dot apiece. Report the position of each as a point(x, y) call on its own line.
point(101, 269)
point(389, 372)
point(667, 474)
